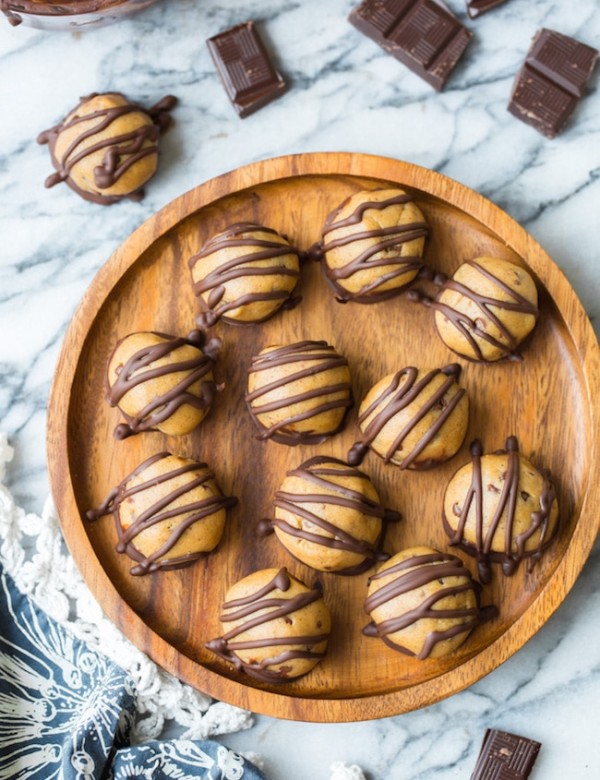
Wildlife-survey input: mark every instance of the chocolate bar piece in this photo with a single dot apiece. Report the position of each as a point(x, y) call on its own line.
point(245, 68)
point(423, 34)
point(551, 81)
point(505, 756)
point(476, 8)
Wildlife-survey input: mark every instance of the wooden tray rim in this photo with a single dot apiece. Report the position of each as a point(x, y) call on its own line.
point(284, 704)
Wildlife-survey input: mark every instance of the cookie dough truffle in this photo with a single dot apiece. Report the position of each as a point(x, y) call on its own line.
point(500, 508)
point(106, 149)
point(372, 245)
point(299, 393)
point(244, 274)
point(277, 627)
point(169, 513)
point(328, 515)
point(415, 418)
point(162, 382)
point(486, 309)
point(424, 603)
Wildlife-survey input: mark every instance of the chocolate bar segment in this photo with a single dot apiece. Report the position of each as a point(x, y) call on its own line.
point(551, 81)
point(505, 756)
point(245, 68)
point(422, 34)
point(476, 8)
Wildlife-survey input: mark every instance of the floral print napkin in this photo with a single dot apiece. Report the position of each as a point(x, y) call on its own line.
point(66, 710)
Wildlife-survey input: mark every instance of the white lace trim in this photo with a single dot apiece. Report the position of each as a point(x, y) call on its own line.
point(32, 551)
point(341, 771)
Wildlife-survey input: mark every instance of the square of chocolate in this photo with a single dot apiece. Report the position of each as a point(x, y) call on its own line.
point(551, 81)
point(245, 68)
point(505, 756)
point(476, 8)
point(422, 34)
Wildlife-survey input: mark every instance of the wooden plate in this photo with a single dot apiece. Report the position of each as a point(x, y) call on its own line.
point(549, 401)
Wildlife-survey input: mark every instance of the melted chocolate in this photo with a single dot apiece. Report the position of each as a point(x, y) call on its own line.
point(260, 609)
point(386, 239)
point(428, 568)
point(158, 513)
point(482, 549)
point(402, 390)
point(121, 152)
point(137, 369)
point(469, 328)
point(56, 8)
point(319, 472)
point(13, 19)
point(321, 358)
point(244, 266)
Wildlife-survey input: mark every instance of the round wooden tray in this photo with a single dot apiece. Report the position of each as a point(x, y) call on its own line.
point(547, 401)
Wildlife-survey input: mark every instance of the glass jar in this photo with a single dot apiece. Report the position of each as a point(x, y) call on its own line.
point(69, 14)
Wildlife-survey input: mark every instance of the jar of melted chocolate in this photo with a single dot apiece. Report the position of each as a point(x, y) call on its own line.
point(69, 14)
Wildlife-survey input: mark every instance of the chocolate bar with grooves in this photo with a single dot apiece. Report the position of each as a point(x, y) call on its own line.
point(422, 34)
point(245, 68)
point(551, 81)
point(505, 756)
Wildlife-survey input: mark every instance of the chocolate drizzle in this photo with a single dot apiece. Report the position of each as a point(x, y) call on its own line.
point(414, 573)
point(322, 472)
point(470, 328)
point(321, 358)
point(121, 151)
point(510, 557)
point(138, 369)
point(259, 608)
point(385, 241)
point(246, 265)
point(180, 517)
point(402, 390)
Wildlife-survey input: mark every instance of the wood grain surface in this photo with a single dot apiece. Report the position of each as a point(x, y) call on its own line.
point(549, 400)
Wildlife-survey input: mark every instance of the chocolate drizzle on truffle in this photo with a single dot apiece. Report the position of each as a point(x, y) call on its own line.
point(121, 151)
point(470, 328)
point(323, 472)
point(320, 357)
point(514, 546)
point(245, 266)
point(159, 512)
point(414, 573)
point(402, 390)
point(387, 238)
point(259, 608)
point(137, 370)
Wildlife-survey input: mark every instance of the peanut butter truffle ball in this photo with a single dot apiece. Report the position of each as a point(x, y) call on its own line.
point(424, 603)
point(500, 508)
point(299, 393)
point(169, 513)
point(162, 382)
point(277, 628)
point(328, 515)
point(486, 309)
point(372, 245)
point(107, 147)
point(415, 418)
point(244, 274)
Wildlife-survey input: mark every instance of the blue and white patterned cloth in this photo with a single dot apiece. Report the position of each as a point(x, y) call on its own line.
point(66, 711)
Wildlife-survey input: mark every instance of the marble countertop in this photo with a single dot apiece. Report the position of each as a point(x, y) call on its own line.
point(345, 94)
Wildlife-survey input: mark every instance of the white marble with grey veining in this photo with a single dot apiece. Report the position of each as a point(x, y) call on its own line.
point(346, 94)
